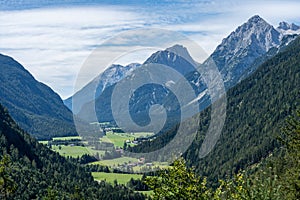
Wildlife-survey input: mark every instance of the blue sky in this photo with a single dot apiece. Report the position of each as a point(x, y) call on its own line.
point(52, 39)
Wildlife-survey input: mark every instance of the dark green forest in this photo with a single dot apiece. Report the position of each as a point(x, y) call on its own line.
point(275, 178)
point(29, 170)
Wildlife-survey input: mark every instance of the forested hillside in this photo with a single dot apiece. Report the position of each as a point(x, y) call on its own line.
point(256, 109)
point(29, 170)
point(34, 106)
point(274, 178)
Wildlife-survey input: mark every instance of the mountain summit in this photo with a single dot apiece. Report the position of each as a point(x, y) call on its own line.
point(181, 51)
point(240, 49)
point(176, 57)
point(93, 89)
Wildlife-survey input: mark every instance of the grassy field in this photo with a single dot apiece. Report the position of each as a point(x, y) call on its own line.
point(118, 139)
point(75, 151)
point(114, 162)
point(72, 151)
point(93, 151)
point(121, 178)
point(110, 177)
point(43, 142)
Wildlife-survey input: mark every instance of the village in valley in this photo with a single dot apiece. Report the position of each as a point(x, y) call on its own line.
point(107, 150)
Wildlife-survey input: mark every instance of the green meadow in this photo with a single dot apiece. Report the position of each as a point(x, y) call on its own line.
point(115, 162)
point(72, 151)
point(110, 177)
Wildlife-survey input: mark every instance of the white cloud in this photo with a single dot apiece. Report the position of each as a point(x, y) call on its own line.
point(54, 43)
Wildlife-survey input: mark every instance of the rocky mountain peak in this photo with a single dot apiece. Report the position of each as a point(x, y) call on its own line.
point(288, 29)
point(286, 26)
point(248, 42)
point(93, 89)
point(176, 57)
point(255, 19)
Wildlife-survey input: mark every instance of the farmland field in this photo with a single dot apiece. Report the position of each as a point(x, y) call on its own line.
point(115, 162)
point(118, 139)
point(75, 151)
point(72, 151)
point(43, 142)
point(110, 177)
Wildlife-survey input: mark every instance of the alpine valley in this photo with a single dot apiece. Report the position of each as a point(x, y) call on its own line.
point(256, 157)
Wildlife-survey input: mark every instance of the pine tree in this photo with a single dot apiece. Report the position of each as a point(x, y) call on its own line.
point(7, 184)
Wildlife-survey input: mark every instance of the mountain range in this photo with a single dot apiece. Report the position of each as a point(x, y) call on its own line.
point(41, 112)
point(236, 58)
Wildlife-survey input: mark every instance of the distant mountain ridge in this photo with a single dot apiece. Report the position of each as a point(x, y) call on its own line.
point(94, 88)
point(33, 105)
point(287, 29)
point(236, 57)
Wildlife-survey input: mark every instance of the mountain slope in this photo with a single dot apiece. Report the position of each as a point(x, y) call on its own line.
point(94, 88)
point(33, 105)
point(38, 172)
point(256, 109)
